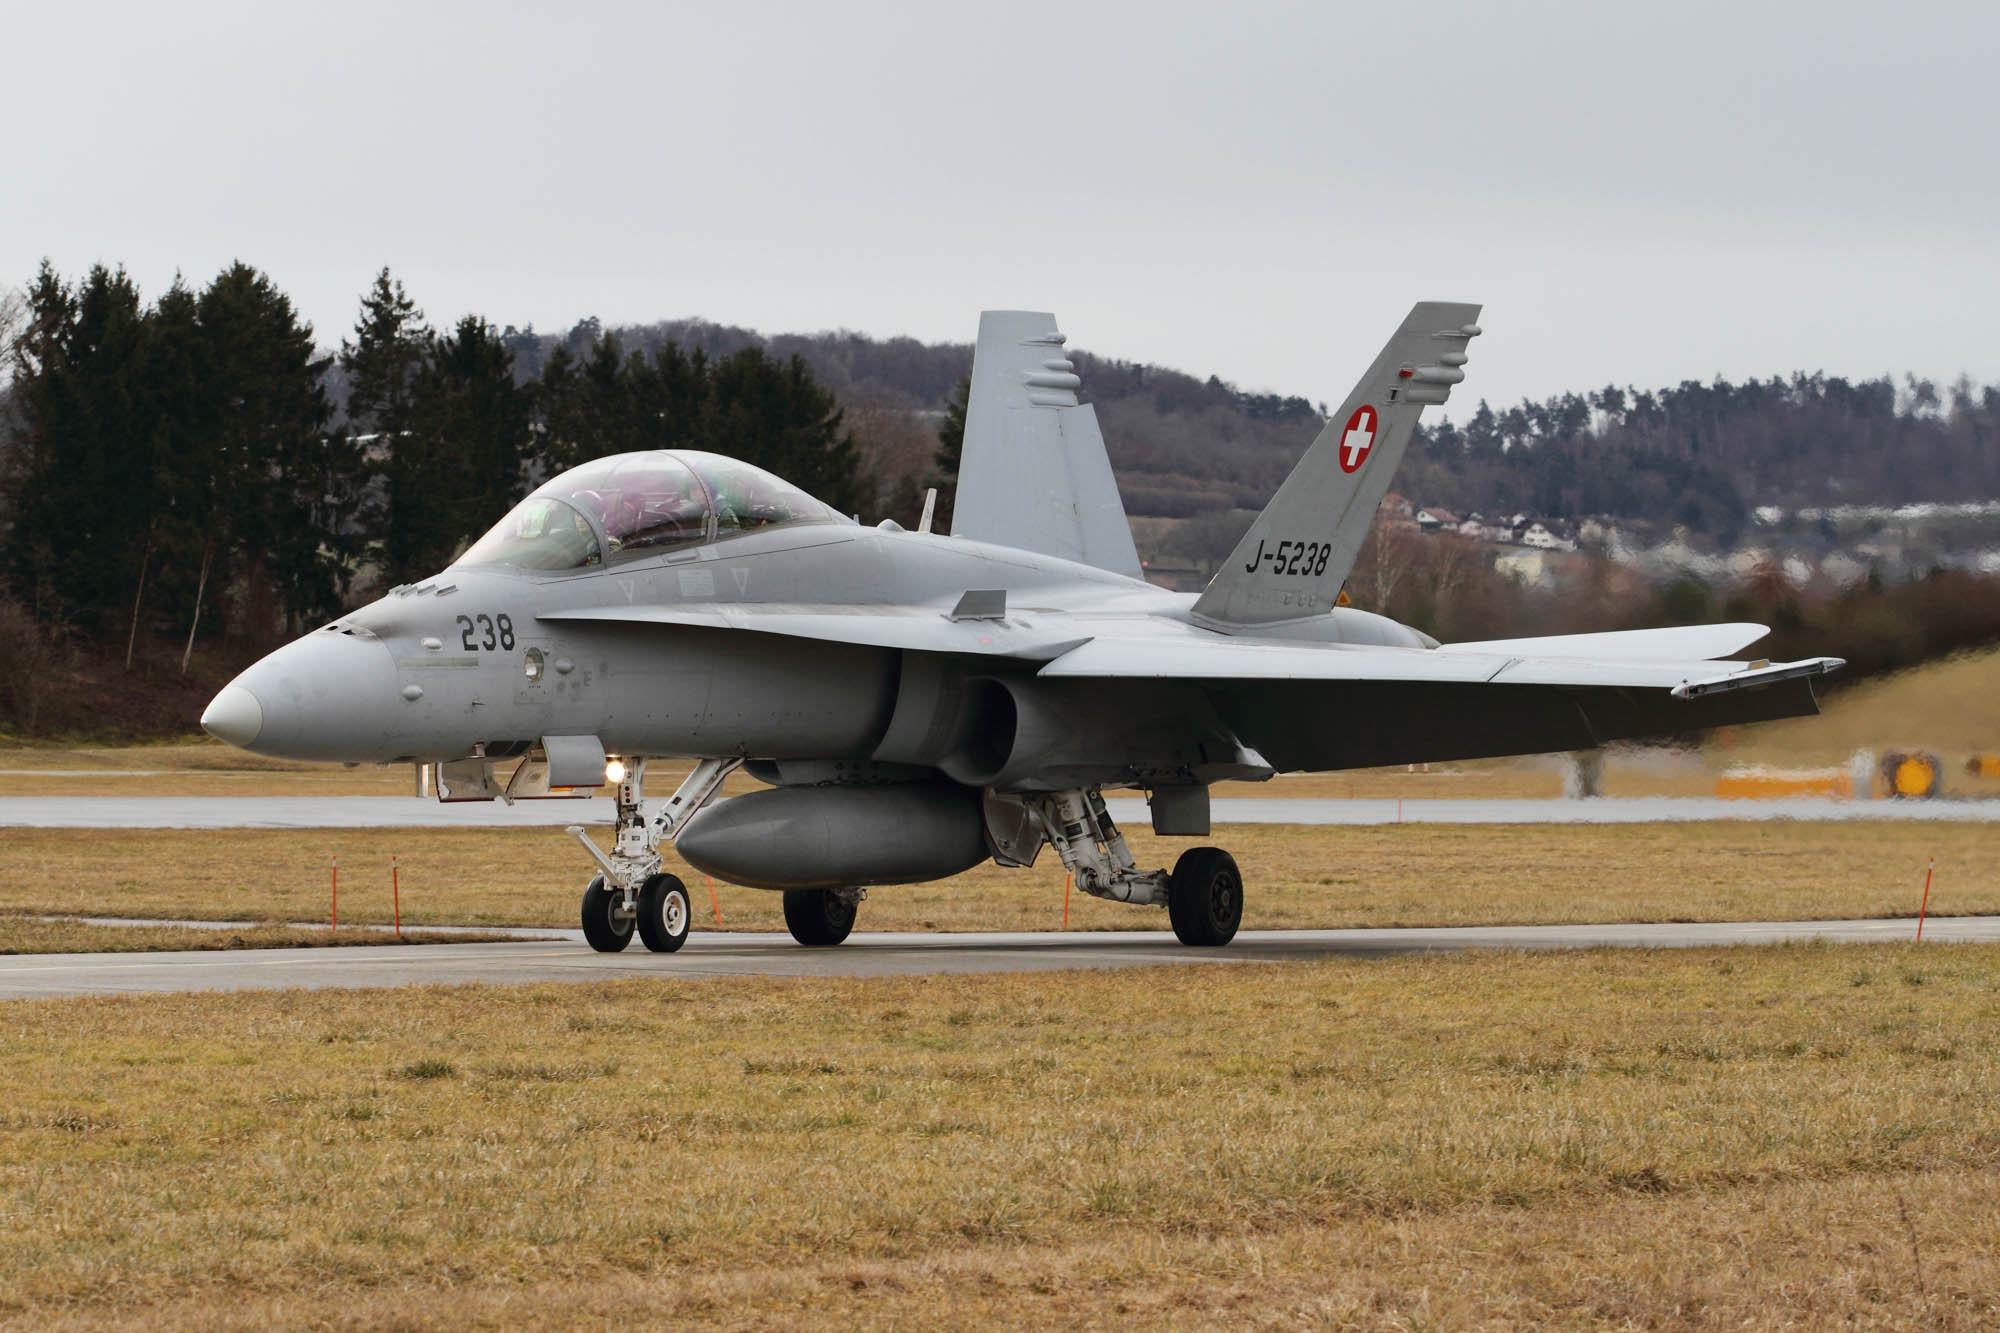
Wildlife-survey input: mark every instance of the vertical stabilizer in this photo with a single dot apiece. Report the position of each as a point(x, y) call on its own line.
point(1033, 473)
point(1299, 551)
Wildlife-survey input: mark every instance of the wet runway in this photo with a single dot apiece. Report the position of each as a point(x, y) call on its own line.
point(717, 953)
point(304, 812)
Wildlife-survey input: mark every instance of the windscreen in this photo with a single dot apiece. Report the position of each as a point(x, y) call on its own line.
point(541, 532)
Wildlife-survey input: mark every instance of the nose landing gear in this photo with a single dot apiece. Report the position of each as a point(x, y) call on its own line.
point(632, 894)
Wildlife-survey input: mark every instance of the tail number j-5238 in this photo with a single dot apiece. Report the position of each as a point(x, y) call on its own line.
point(1291, 557)
point(488, 632)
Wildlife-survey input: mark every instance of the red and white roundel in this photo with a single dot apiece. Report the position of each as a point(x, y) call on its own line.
point(1358, 438)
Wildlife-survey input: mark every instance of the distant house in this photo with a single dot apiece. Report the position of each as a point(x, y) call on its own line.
point(1543, 536)
point(1437, 520)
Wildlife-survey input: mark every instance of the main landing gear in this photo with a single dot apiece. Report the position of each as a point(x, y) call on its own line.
point(821, 917)
point(1203, 896)
point(632, 895)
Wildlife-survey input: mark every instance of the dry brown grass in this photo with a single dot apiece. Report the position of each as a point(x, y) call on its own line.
point(1801, 1253)
point(26, 934)
point(1407, 874)
point(1678, 1139)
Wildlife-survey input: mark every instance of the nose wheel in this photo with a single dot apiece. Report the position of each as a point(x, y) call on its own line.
point(607, 926)
point(663, 913)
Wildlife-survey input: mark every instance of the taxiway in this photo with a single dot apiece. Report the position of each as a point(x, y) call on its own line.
point(720, 953)
point(303, 812)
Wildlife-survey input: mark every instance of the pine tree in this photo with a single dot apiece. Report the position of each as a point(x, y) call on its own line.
point(475, 421)
point(383, 364)
point(283, 486)
point(82, 493)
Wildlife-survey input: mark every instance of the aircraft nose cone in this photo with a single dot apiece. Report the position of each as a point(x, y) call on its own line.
point(234, 716)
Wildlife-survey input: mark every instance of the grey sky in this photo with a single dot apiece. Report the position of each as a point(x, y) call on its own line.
point(1639, 194)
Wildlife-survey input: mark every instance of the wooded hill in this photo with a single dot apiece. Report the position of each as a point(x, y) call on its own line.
point(1693, 454)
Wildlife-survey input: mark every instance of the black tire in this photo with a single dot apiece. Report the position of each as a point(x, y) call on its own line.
point(1205, 897)
point(606, 931)
point(664, 913)
point(818, 918)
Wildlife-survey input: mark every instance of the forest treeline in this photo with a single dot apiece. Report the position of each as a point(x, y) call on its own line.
point(180, 466)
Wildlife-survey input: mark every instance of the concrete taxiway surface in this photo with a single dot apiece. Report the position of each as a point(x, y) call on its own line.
point(713, 954)
point(302, 812)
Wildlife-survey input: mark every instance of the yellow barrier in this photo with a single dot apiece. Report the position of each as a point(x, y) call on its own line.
point(1768, 784)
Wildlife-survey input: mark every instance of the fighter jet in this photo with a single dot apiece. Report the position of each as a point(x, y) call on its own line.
point(918, 704)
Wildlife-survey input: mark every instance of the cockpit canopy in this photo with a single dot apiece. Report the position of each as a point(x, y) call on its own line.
point(632, 505)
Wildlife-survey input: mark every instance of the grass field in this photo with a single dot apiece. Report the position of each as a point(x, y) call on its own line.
point(1674, 1139)
point(26, 934)
point(1409, 874)
point(1946, 706)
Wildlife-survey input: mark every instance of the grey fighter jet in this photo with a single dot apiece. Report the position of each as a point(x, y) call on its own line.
point(919, 704)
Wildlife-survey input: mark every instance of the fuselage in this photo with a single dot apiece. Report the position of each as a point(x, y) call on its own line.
point(475, 660)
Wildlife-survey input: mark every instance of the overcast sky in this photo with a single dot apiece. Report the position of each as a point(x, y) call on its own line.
point(1637, 193)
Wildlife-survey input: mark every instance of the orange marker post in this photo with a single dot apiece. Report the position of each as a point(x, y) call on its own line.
point(714, 901)
point(1925, 905)
point(1066, 880)
point(396, 892)
point(336, 895)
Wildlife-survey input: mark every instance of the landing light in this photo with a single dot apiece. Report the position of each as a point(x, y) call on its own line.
point(614, 772)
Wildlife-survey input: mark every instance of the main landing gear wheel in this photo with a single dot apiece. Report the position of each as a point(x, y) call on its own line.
point(1205, 897)
point(819, 917)
point(606, 930)
point(663, 913)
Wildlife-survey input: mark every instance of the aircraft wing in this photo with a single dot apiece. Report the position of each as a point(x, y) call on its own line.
point(1251, 659)
point(1317, 707)
point(914, 627)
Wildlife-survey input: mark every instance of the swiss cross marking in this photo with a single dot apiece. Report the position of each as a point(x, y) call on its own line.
point(1358, 438)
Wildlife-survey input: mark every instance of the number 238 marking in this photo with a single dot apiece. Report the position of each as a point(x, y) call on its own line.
point(493, 632)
